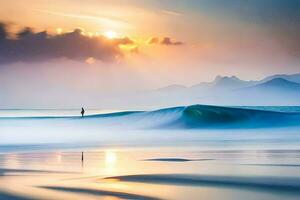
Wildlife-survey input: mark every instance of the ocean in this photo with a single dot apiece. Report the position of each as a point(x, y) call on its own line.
point(193, 152)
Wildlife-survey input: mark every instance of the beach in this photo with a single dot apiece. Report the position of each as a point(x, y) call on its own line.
point(150, 173)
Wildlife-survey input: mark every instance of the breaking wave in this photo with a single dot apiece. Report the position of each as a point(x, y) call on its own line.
point(190, 117)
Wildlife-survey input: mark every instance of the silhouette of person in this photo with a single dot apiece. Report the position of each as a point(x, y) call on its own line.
point(82, 112)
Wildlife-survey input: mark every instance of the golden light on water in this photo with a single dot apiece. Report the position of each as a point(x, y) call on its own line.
point(110, 160)
point(110, 157)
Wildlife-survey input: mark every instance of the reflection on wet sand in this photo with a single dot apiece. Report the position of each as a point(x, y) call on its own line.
point(272, 184)
point(175, 159)
point(131, 174)
point(14, 172)
point(99, 192)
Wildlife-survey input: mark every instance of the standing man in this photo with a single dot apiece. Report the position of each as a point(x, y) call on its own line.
point(82, 112)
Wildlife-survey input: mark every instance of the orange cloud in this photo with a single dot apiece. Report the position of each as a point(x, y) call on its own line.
point(30, 46)
point(153, 40)
point(164, 41)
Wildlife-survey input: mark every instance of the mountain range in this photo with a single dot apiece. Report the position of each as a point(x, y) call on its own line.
point(280, 89)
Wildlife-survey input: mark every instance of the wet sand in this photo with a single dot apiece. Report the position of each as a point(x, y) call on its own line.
point(150, 174)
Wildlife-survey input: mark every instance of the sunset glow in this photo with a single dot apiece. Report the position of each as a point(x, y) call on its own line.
point(110, 34)
point(150, 99)
point(129, 46)
point(59, 31)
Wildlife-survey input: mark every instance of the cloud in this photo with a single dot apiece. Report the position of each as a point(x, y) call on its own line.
point(123, 41)
point(168, 41)
point(172, 13)
point(164, 41)
point(153, 40)
point(28, 46)
point(104, 20)
point(3, 32)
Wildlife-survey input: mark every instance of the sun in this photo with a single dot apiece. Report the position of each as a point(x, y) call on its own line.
point(110, 34)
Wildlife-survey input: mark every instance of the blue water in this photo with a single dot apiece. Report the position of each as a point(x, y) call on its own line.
point(185, 117)
point(208, 127)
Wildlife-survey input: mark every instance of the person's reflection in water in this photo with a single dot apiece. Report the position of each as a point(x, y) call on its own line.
point(82, 161)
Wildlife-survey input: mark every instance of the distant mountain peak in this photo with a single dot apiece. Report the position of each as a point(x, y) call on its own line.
point(235, 78)
point(226, 78)
point(228, 81)
point(279, 82)
point(288, 77)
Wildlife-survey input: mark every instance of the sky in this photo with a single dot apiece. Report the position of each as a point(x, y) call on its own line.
point(60, 53)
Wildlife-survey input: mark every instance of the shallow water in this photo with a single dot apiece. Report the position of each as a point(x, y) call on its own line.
point(127, 173)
